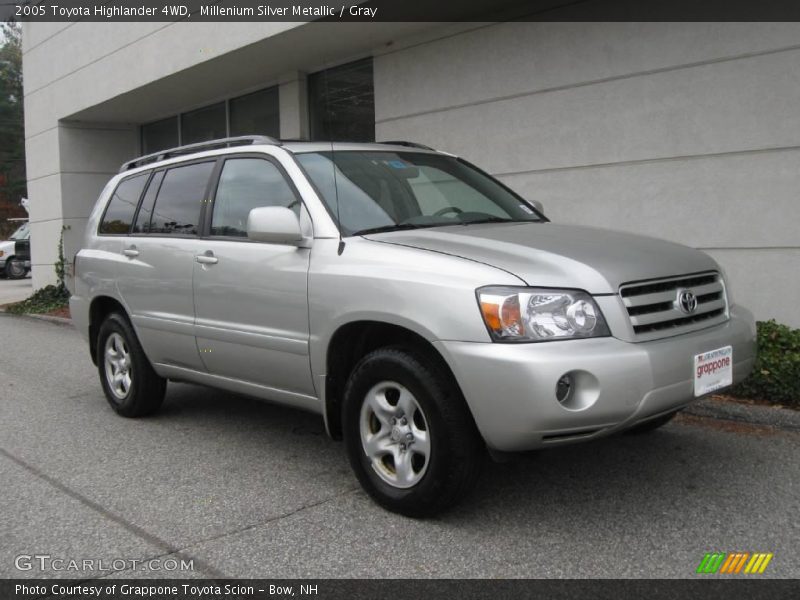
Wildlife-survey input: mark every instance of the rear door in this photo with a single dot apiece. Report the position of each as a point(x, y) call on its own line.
point(251, 298)
point(155, 274)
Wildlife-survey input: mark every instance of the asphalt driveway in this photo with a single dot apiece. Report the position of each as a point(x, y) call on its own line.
point(246, 489)
point(14, 290)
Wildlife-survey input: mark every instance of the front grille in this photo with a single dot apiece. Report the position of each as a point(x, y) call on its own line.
point(654, 309)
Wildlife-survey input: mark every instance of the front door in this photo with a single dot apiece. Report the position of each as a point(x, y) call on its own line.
point(251, 298)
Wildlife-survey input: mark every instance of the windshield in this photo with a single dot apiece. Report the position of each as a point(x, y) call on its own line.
point(385, 191)
point(23, 233)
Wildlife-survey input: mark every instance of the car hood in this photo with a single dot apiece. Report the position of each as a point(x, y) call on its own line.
point(550, 255)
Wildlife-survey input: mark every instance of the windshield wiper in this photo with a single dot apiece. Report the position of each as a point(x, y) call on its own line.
point(406, 226)
point(395, 227)
point(489, 220)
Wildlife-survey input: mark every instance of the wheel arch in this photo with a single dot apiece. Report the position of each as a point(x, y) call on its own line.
point(7, 258)
point(351, 342)
point(99, 309)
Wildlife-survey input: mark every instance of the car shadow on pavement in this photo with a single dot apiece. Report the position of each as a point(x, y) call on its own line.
point(683, 470)
point(622, 475)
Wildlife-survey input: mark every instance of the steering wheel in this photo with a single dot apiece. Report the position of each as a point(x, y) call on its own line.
point(447, 209)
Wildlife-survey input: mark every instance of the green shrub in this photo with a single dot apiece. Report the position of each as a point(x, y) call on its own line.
point(776, 376)
point(48, 298)
point(43, 300)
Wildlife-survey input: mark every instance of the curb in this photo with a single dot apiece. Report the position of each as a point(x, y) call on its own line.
point(754, 414)
point(50, 319)
point(45, 318)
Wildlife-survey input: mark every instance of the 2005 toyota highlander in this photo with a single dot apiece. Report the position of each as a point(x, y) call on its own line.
point(423, 308)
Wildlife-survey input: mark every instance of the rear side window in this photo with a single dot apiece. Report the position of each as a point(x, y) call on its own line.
point(245, 184)
point(122, 206)
point(177, 208)
point(142, 224)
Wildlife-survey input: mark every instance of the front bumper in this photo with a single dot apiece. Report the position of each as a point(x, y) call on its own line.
point(511, 388)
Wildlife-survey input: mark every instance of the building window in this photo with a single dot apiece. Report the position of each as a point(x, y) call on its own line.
point(160, 135)
point(203, 124)
point(341, 103)
point(255, 114)
point(252, 114)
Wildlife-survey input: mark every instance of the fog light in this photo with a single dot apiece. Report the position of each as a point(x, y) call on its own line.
point(577, 390)
point(563, 388)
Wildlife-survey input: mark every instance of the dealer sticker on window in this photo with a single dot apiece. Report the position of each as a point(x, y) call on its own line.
point(713, 370)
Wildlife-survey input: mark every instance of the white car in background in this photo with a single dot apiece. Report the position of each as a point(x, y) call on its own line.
point(12, 265)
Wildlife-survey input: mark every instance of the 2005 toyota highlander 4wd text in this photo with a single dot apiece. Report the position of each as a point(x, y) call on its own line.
point(424, 309)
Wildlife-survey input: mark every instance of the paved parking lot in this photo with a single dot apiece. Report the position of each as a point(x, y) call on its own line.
point(14, 290)
point(247, 489)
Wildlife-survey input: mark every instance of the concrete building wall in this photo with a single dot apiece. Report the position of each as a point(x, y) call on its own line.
point(684, 131)
point(67, 167)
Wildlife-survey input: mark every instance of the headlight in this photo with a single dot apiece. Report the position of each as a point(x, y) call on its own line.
point(539, 315)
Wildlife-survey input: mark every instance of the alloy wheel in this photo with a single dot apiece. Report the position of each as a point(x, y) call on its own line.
point(118, 366)
point(395, 435)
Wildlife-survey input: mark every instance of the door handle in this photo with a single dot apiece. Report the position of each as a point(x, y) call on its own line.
point(131, 252)
point(207, 259)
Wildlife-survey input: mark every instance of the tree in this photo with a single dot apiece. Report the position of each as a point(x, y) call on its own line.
point(12, 129)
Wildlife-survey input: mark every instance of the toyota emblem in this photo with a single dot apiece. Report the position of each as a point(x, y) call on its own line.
point(687, 301)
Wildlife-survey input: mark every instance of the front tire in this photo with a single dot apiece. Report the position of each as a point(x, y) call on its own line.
point(409, 436)
point(131, 386)
point(15, 269)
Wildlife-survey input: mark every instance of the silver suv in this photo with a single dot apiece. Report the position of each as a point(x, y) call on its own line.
point(424, 309)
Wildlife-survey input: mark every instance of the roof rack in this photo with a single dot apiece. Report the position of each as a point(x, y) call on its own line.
point(409, 144)
point(243, 140)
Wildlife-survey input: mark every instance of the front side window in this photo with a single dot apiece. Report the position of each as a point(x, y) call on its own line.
point(122, 206)
point(379, 190)
point(245, 184)
point(180, 198)
point(23, 233)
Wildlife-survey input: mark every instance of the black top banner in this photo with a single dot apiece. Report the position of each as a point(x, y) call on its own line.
point(400, 10)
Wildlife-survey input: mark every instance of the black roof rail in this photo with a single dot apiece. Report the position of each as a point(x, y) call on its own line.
point(409, 144)
point(243, 140)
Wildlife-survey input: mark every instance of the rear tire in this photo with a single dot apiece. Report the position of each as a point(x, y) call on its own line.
point(15, 269)
point(652, 424)
point(131, 386)
point(409, 436)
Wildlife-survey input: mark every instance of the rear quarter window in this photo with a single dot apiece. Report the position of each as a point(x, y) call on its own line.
point(120, 210)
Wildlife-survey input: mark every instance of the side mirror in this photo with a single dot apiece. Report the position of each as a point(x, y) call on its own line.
point(539, 206)
point(274, 225)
